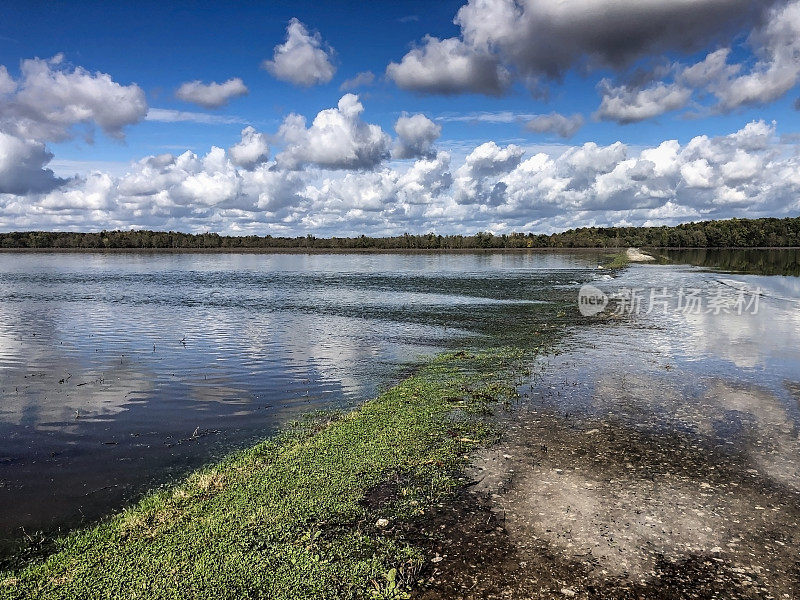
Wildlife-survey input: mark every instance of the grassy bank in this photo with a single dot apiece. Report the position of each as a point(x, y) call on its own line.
point(619, 260)
point(287, 518)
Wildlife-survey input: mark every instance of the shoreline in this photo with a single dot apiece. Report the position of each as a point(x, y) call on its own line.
point(321, 508)
point(606, 249)
point(296, 250)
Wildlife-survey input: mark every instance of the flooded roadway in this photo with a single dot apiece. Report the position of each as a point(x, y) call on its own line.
point(659, 454)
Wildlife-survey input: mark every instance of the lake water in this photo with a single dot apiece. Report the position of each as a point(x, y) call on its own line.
point(119, 372)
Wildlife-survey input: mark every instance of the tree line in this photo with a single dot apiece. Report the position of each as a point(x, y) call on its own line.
point(740, 233)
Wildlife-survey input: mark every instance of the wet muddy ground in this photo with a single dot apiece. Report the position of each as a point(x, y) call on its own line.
point(625, 473)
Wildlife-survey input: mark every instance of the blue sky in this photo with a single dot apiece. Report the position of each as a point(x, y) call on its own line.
point(499, 82)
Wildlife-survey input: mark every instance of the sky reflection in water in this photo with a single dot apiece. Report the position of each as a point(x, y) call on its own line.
point(119, 372)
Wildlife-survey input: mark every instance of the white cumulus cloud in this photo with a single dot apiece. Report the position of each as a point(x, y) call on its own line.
point(449, 67)
point(337, 139)
point(23, 166)
point(416, 135)
point(211, 95)
point(477, 180)
point(625, 105)
point(7, 83)
point(251, 150)
point(45, 104)
point(303, 59)
point(775, 44)
point(562, 125)
point(334, 177)
point(50, 99)
point(776, 72)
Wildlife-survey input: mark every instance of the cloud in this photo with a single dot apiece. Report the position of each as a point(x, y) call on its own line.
point(416, 135)
point(46, 104)
point(22, 166)
point(50, 99)
point(362, 79)
point(337, 139)
point(556, 123)
point(189, 188)
point(183, 185)
point(730, 85)
point(303, 59)
point(777, 71)
point(7, 83)
point(625, 105)
point(333, 177)
point(477, 182)
point(541, 37)
point(503, 116)
point(714, 67)
point(211, 95)
point(449, 67)
point(166, 115)
point(425, 180)
point(91, 195)
point(197, 190)
point(370, 192)
point(378, 197)
point(490, 159)
point(730, 175)
point(533, 40)
point(251, 150)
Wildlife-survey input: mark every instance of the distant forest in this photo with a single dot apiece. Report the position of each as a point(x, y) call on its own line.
point(740, 233)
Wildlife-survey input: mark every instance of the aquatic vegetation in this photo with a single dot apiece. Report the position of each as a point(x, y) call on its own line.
point(616, 261)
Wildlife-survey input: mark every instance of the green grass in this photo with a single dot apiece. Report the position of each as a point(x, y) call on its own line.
point(617, 261)
point(286, 518)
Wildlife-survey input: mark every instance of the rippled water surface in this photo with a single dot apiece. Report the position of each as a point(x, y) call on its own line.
point(122, 371)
